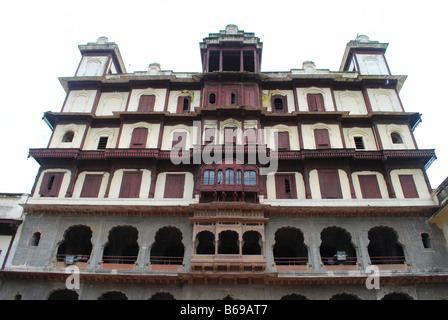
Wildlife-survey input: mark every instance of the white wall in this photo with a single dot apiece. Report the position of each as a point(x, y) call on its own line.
point(333, 131)
point(80, 101)
point(80, 183)
point(365, 133)
point(153, 134)
point(168, 131)
point(188, 187)
point(303, 101)
point(94, 134)
point(271, 186)
point(269, 135)
point(174, 95)
point(110, 102)
point(385, 131)
point(384, 100)
point(160, 95)
point(267, 94)
point(352, 101)
point(64, 184)
point(381, 183)
point(315, 185)
point(115, 185)
point(92, 66)
point(59, 132)
point(419, 181)
point(372, 64)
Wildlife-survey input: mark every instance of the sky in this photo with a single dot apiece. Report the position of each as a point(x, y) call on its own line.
point(39, 44)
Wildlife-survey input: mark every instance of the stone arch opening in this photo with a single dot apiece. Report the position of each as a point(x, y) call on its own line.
point(337, 247)
point(76, 244)
point(289, 247)
point(122, 246)
point(384, 247)
point(168, 247)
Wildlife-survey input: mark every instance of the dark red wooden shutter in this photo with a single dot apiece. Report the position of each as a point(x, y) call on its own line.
point(179, 140)
point(285, 186)
point(209, 135)
point(146, 103)
point(322, 138)
point(51, 184)
point(183, 104)
point(139, 137)
point(130, 185)
point(91, 186)
point(230, 136)
point(282, 140)
point(174, 186)
point(315, 102)
point(408, 186)
point(369, 186)
point(251, 136)
point(330, 186)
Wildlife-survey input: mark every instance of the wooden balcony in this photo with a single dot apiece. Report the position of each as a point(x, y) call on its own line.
point(228, 263)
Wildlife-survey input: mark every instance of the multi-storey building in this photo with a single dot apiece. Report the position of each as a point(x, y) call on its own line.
point(231, 183)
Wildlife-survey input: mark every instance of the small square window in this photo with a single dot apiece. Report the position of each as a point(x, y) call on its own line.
point(102, 143)
point(359, 143)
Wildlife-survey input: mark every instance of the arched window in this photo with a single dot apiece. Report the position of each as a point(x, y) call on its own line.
point(122, 246)
point(238, 176)
point(113, 295)
point(337, 247)
point(63, 294)
point(250, 177)
point(251, 243)
point(230, 176)
point(35, 239)
point(168, 247)
point(162, 295)
point(68, 136)
point(289, 247)
point(396, 138)
point(209, 177)
point(384, 247)
point(205, 243)
point(76, 243)
point(228, 243)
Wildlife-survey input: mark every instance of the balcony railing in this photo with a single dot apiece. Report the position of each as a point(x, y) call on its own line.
point(291, 261)
point(388, 260)
point(119, 259)
point(334, 261)
point(166, 260)
point(72, 257)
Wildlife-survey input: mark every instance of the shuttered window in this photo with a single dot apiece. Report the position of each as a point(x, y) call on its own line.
point(174, 186)
point(315, 102)
point(282, 140)
point(51, 184)
point(330, 186)
point(322, 139)
point(408, 186)
point(179, 140)
point(285, 186)
point(250, 136)
point(369, 186)
point(209, 135)
point(230, 136)
point(139, 137)
point(91, 186)
point(183, 104)
point(130, 185)
point(146, 103)
point(279, 104)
